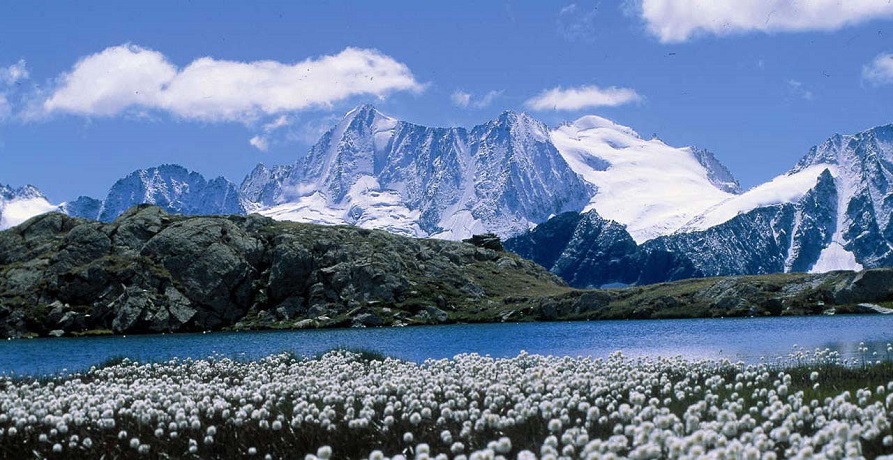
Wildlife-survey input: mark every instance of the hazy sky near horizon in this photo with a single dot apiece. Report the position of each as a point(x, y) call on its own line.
point(90, 91)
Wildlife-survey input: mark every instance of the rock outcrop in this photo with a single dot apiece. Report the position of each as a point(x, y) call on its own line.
point(150, 271)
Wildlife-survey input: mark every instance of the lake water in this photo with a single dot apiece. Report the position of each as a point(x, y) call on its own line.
point(745, 339)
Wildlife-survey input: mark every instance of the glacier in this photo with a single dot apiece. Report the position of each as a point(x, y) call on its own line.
point(651, 188)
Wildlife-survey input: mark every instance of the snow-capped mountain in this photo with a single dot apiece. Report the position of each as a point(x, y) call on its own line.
point(832, 211)
point(84, 206)
point(171, 187)
point(20, 204)
point(851, 176)
point(641, 210)
point(372, 170)
point(651, 188)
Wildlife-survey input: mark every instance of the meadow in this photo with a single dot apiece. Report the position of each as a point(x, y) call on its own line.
point(360, 405)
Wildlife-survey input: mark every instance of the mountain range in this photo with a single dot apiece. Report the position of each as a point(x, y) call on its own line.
point(590, 200)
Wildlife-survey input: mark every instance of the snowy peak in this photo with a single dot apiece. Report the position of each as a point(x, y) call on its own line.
point(346, 151)
point(518, 168)
point(373, 170)
point(27, 192)
point(868, 147)
point(840, 195)
point(648, 186)
point(717, 173)
point(20, 204)
point(173, 188)
point(261, 185)
point(594, 122)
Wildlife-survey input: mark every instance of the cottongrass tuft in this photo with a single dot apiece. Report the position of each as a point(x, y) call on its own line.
point(468, 407)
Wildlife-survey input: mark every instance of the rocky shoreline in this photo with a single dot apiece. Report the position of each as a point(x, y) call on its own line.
point(152, 272)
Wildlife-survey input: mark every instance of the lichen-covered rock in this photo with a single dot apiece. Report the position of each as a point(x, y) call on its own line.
point(82, 244)
point(215, 263)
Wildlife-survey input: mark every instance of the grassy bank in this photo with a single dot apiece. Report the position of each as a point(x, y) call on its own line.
point(353, 405)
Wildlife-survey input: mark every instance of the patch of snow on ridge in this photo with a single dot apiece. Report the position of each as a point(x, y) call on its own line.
point(366, 205)
point(460, 225)
point(308, 208)
point(835, 257)
point(651, 188)
point(787, 188)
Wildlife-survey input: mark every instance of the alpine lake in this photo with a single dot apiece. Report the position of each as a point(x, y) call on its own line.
point(747, 340)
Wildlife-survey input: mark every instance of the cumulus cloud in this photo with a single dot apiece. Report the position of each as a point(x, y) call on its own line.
point(14, 73)
point(260, 142)
point(467, 100)
point(880, 70)
point(131, 77)
point(679, 20)
point(582, 97)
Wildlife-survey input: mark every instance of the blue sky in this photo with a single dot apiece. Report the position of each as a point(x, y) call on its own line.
point(92, 91)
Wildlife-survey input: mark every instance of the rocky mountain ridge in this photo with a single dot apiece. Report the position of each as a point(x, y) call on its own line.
point(831, 211)
point(374, 171)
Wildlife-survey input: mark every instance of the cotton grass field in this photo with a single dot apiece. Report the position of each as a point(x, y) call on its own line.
point(353, 405)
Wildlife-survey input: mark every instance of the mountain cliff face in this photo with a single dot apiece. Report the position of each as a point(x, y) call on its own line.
point(174, 189)
point(863, 167)
point(589, 251)
point(374, 171)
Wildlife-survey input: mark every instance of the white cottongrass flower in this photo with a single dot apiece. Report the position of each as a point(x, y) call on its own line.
point(468, 407)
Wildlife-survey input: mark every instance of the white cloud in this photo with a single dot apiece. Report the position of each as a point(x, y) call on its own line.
point(582, 97)
point(280, 122)
point(14, 73)
point(260, 142)
point(461, 98)
point(880, 70)
point(488, 99)
point(130, 77)
point(465, 100)
point(679, 20)
point(800, 90)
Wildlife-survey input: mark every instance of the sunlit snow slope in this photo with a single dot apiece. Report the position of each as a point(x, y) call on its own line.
point(652, 188)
